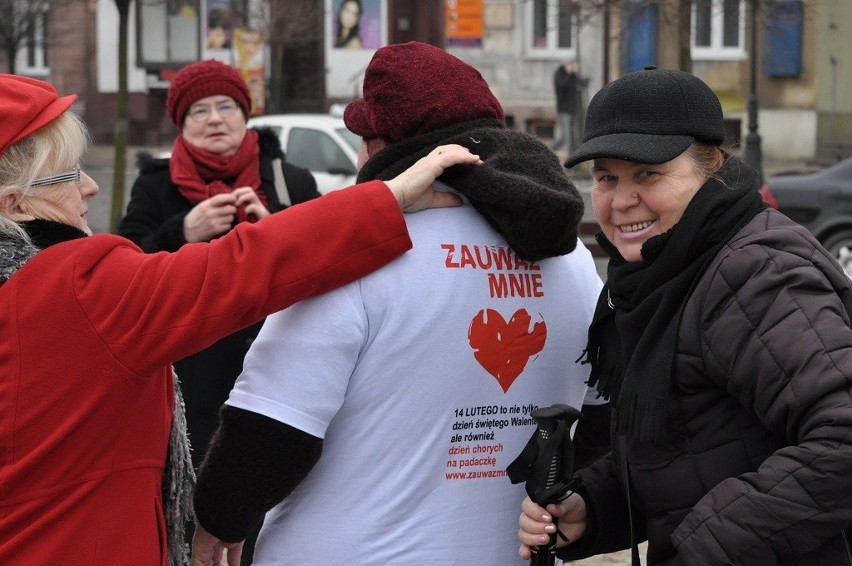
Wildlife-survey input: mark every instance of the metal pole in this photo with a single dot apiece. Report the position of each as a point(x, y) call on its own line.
point(753, 154)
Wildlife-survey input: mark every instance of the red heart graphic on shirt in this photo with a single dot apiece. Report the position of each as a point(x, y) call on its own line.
point(504, 348)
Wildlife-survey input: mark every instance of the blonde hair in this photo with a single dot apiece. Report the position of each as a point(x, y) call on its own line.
point(56, 147)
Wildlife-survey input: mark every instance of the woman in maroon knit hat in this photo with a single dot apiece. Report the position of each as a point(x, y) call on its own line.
point(95, 466)
point(220, 174)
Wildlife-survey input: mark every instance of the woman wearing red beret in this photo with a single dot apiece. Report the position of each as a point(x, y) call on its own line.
point(94, 465)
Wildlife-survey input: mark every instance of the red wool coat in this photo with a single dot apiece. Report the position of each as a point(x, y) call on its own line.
point(89, 328)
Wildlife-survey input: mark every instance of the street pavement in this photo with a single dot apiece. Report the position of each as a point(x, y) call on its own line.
point(616, 559)
point(98, 164)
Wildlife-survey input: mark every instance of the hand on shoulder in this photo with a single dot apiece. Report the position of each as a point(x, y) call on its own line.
point(413, 187)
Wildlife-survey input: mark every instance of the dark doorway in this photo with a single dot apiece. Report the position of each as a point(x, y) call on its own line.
point(416, 20)
point(297, 82)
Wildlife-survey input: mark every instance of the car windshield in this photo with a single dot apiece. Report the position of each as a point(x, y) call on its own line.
point(352, 139)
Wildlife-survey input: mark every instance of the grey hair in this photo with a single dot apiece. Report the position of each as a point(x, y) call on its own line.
point(707, 158)
point(58, 146)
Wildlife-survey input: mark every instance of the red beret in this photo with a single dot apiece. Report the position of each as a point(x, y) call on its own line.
point(202, 79)
point(25, 106)
point(414, 88)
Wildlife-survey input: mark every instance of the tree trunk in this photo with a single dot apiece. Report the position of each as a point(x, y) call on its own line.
point(120, 140)
point(685, 36)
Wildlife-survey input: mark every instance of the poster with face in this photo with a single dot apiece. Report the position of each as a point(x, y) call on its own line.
point(356, 24)
point(220, 24)
point(249, 59)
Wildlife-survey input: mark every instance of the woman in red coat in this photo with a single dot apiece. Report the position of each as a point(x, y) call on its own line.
point(94, 463)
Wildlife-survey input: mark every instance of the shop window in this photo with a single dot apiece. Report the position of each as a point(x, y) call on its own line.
point(168, 32)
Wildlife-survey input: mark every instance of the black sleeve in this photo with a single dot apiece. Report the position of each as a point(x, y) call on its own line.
point(607, 518)
point(150, 221)
point(253, 463)
point(300, 183)
point(592, 437)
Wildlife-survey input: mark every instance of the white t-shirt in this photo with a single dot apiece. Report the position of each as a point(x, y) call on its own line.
point(420, 378)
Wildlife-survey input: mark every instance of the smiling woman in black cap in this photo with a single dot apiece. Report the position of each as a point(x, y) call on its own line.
point(722, 339)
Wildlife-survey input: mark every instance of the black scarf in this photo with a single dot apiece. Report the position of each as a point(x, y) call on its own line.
point(633, 333)
point(45, 233)
point(521, 189)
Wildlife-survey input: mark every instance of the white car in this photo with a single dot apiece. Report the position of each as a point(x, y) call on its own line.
point(318, 142)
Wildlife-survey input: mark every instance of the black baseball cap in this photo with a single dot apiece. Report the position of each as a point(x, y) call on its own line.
point(650, 116)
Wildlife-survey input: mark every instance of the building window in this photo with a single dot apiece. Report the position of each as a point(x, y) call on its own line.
point(168, 32)
point(31, 58)
point(551, 28)
point(718, 29)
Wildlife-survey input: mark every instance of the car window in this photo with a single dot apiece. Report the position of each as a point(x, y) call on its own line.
point(353, 140)
point(316, 151)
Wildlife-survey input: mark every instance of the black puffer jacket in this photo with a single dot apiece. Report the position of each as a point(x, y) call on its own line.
point(154, 221)
point(155, 213)
point(761, 470)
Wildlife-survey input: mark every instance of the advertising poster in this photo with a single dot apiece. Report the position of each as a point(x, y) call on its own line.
point(220, 25)
point(356, 24)
point(248, 58)
point(464, 23)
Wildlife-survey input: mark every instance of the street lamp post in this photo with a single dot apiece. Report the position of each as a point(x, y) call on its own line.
point(753, 154)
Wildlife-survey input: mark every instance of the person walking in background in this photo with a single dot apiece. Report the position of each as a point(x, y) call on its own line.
point(382, 417)
point(190, 197)
point(722, 339)
point(566, 85)
point(95, 466)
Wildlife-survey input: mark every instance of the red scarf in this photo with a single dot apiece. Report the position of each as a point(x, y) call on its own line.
point(199, 174)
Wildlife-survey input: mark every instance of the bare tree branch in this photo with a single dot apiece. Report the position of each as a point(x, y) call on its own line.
point(21, 21)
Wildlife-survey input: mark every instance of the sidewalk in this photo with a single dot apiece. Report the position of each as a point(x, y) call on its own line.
point(98, 164)
point(616, 559)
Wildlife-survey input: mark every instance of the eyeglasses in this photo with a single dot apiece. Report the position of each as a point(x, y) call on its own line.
point(203, 113)
point(73, 175)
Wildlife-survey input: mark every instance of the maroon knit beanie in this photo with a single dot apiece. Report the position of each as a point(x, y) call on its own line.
point(202, 79)
point(415, 88)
